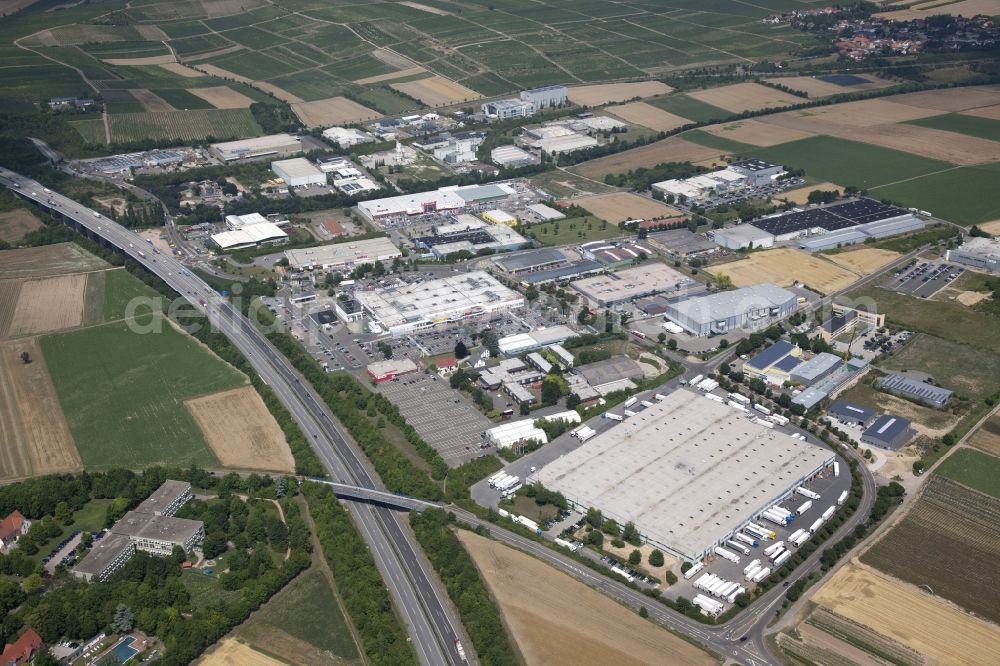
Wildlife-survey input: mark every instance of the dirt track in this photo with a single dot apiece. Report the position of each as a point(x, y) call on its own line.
point(557, 620)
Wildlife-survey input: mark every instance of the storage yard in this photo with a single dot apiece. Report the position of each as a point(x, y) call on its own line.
point(654, 470)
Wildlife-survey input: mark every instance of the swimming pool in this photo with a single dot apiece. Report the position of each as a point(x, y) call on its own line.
point(122, 652)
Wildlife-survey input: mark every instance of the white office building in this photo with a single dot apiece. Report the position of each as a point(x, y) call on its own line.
point(298, 172)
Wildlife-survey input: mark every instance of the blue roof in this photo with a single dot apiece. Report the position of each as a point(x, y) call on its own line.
point(886, 428)
point(771, 355)
point(851, 411)
point(787, 364)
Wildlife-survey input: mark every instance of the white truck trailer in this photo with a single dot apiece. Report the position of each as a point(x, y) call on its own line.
point(631, 401)
point(728, 554)
point(628, 413)
point(764, 422)
point(762, 409)
point(777, 520)
point(805, 492)
point(782, 558)
point(753, 572)
point(738, 407)
point(777, 545)
point(795, 535)
point(738, 547)
point(815, 526)
point(805, 506)
point(762, 574)
point(716, 398)
point(829, 512)
point(707, 385)
point(503, 513)
point(659, 397)
point(527, 522)
point(801, 539)
point(731, 597)
point(708, 606)
point(760, 532)
point(740, 399)
point(778, 419)
point(613, 417)
point(646, 403)
point(836, 469)
point(496, 477)
point(697, 380)
point(776, 554)
point(751, 566)
point(747, 539)
point(695, 568)
point(624, 574)
point(842, 498)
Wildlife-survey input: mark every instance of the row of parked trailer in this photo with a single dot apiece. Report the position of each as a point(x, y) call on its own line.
point(627, 412)
point(521, 520)
point(504, 483)
point(719, 587)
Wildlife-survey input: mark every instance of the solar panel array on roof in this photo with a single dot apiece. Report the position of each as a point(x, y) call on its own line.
point(911, 388)
point(832, 218)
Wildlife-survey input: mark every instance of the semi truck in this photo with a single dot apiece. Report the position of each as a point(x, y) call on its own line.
point(624, 574)
point(801, 539)
point(836, 469)
point(829, 512)
point(762, 532)
point(496, 477)
point(708, 606)
point(747, 539)
point(631, 401)
point(777, 520)
point(842, 498)
point(805, 506)
point(738, 547)
point(782, 511)
point(782, 559)
point(504, 513)
point(513, 489)
point(716, 398)
point(795, 535)
point(754, 564)
point(776, 554)
point(740, 399)
point(573, 547)
point(805, 492)
point(697, 379)
point(628, 413)
point(762, 574)
point(815, 526)
point(695, 568)
point(659, 397)
point(777, 545)
point(778, 419)
point(646, 403)
point(762, 409)
point(731, 597)
point(527, 522)
point(728, 554)
point(614, 417)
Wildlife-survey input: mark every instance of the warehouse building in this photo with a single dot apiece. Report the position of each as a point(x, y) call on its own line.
point(681, 242)
point(512, 157)
point(274, 145)
point(573, 270)
point(819, 366)
point(774, 364)
point(342, 257)
point(686, 471)
point(845, 215)
point(472, 235)
point(545, 97)
point(616, 253)
point(902, 224)
point(757, 172)
point(631, 283)
point(704, 186)
point(388, 370)
point(918, 391)
point(298, 172)
point(980, 253)
point(254, 235)
point(451, 198)
point(564, 144)
point(345, 137)
point(497, 216)
point(512, 433)
point(752, 308)
point(531, 261)
point(505, 109)
point(851, 414)
point(888, 432)
point(416, 307)
point(546, 213)
point(743, 237)
point(539, 337)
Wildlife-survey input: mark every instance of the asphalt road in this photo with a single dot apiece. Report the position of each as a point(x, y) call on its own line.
point(416, 593)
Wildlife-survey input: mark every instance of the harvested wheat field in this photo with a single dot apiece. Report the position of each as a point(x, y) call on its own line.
point(555, 619)
point(784, 266)
point(230, 652)
point(987, 436)
point(674, 149)
point(46, 260)
point(757, 133)
point(332, 111)
point(817, 88)
point(241, 432)
point(15, 223)
point(280, 93)
point(9, 292)
point(933, 143)
point(36, 439)
point(991, 227)
point(801, 194)
point(648, 115)
point(620, 206)
point(741, 97)
point(51, 304)
point(148, 60)
point(222, 97)
point(952, 99)
point(991, 112)
point(436, 91)
point(426, 8)
point(182, 70)
point(864, 113)
point(865, 260)
point(606, 93)
point(910, 616)
point(391, 76)
point(966, 8)
point(150, 100)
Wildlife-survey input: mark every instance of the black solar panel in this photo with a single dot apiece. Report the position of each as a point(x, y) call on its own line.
point(831, 218)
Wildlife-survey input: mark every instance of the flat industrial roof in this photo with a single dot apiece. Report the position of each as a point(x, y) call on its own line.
point(529, 259)
point(343, 254)
point(103, 553)
point(725, 304)
point(687, 471)
point(164, 496)
point(163, 528)
point(649, 278)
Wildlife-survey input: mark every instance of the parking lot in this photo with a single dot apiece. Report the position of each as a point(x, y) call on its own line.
point(923, 279)
point(445, 418)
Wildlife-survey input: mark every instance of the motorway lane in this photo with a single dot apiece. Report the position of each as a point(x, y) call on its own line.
point(417, 599)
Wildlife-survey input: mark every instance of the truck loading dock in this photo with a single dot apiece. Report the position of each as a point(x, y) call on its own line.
point(687, 471)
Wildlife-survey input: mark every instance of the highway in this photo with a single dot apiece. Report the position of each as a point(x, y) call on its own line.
point(416, 593)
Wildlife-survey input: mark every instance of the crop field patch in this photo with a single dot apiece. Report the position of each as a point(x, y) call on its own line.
point(10, 290)
point(741, 97)
point(952, 99)
point(122, 391)
point(784, 266)
point(930, 143)
point(182, 70)
point(865, 260)
point(949, 541)
point(555, 619)
point(241, 432)
point(36, 439)
point(14, 224)
point(607, 93)
point(974, 469)
point(150, 100)
point(194, 125)
point(647, 115)
point(987, 437)
point(990, 112)
point(436, 91)
point(955, 195)
point(145, 60)
point(801, 195)
point(332, 111)
point(231, 652)
point(46, 260)
point(964, 369)
point(967, 8)
point(392, 76)
point(756, 133)
point(49, 304)
point(971, 124)
point(674, 149)
point(223, 97)
point(817, 88)
point(620, 206)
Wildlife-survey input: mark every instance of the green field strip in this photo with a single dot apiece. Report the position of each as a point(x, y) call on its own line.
point(690, 108)
point(983, 128)
point(703, 138)
point(974, 469)
point(961, 195)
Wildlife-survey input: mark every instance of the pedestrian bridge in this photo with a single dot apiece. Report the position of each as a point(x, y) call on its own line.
point(376, 496)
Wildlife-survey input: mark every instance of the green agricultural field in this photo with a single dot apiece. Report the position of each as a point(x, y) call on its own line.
point(181, 99)
point(850, 163)
point(984, 128)
point(967, 370)
point(567, 184)
point(718, 142)
point(125, 295)
point(690, 108)
point(92, 131)
point(122, 392)
point(962, 195)
point(184, 125)
point(574, 230)
point(974, 469)
point(306, 610)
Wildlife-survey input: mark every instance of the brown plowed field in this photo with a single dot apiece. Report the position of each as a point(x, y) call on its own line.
point(331, 111)
point(148, 60)
point(949, 541)
point(230, 652)
point(741, 97)
point(910, 617)
point(865, 260)
point(865, 113)
point(817, 89)
point(674, 149)
point(47, 260)
point(436, 91)
point(391, 76)
point(15, 223)
point(605, 93)
point(933, 143)
point(555, 619)
point(150, 100)
point(648, 115)
point(952, 99)
point(222, 97)
point(33, 432)
point(177, 68)
point(783, 266)
point(620, 206)
point(51, 304)
point(991, 112)
point(241, 432)
point(10, 290)
point(757, 133)
point(987, 438)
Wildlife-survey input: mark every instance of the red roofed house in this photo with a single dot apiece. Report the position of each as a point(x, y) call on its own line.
point(446, 366)
point(335, 229)
point(22, 650)
point(11, 529)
